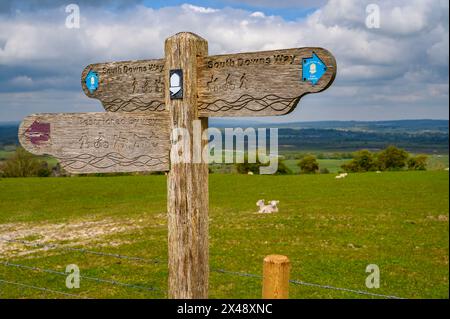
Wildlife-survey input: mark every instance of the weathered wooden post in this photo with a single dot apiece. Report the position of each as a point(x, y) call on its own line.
point(276, 270)
point(188, 181)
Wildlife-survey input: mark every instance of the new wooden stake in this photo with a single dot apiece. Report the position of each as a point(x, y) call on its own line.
point(276, 277)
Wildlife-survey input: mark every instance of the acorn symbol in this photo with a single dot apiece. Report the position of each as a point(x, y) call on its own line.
point(175, 83)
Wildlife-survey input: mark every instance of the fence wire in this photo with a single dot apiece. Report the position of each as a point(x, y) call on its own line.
point(218, 270)
point(99, 280)
point(41, 289)
point(303, 283)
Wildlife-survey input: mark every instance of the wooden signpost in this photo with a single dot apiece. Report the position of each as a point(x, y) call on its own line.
point(129, 86)
point(147, 101)
point(258, 84)
point(100, 142)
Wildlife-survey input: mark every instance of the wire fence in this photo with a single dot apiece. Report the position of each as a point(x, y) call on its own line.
point(303, 283)
point(150, 261)
point(41, 289)
point(99, 280)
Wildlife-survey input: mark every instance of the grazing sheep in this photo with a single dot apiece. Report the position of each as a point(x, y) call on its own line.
point(263, 208)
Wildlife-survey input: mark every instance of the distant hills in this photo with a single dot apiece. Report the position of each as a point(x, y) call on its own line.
point(410, 126)
point(8, 133)
point(429, 136)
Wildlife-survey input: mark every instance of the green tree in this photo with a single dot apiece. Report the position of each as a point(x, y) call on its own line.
point(392, 158)
point(44, 170)
point(21, 164)
point(246, 167)
point(308, 164)
point(417, 163)
point(363, 161)
point(282, 168)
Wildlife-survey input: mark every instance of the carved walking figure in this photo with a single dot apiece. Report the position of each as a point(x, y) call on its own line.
point(243, 81)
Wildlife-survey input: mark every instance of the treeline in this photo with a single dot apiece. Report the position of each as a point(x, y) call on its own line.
point(390, 159)
point(343, 140)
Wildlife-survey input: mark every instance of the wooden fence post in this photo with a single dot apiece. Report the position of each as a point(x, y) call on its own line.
point(276, 270)
point(187, 181)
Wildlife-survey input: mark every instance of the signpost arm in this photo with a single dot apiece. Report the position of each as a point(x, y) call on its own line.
point(187, 181)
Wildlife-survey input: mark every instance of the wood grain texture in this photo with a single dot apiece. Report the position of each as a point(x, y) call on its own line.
point(276, 269)
point(100, 142)
point(262, 83)
point(187, 181)
point(128, 86)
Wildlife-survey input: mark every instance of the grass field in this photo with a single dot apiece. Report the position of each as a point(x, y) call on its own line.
point(333, 165)
point(330, 229)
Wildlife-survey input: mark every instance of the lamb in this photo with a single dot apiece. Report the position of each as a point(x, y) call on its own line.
point(342, 175)
point(267, 209)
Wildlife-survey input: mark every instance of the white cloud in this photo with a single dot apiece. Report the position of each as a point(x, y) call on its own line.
point(258, 14)
point(22, 81)
point(190, 7)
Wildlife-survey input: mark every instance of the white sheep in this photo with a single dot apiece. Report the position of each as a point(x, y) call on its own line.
point(342, 175)
point(266, 209)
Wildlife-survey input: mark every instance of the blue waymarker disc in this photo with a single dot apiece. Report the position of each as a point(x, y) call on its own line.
point(91, 81)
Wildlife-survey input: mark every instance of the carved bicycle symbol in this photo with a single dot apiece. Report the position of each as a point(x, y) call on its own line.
point(100, 141)
point(229, 84)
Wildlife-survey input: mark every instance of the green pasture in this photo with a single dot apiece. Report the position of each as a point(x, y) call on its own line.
point(333, 165)
point(330, 229)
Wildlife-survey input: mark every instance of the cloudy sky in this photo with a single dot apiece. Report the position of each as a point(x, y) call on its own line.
point(396, 71)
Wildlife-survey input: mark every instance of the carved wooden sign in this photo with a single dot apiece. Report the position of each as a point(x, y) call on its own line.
point(129, 86)
point(262, 83)
point(100, 142)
